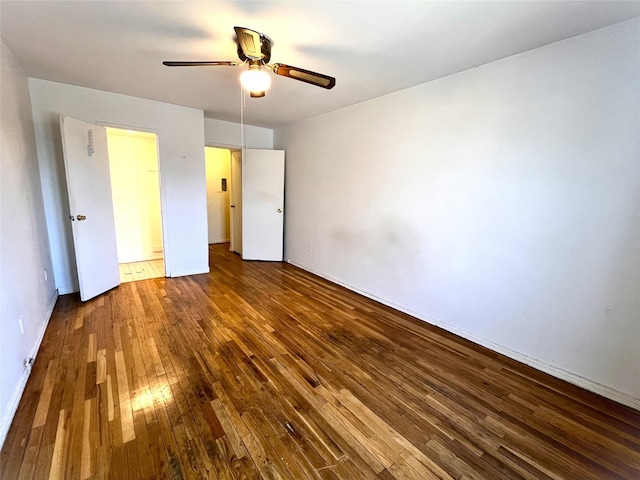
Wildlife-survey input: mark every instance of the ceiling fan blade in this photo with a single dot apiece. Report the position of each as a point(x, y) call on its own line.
point(199, 64)
point(307, 76)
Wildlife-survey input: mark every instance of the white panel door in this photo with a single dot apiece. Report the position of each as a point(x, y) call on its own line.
point(262, 204)
point(86, 162)
point(236, 202)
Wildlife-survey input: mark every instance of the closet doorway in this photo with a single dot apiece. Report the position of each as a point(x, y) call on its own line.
point(135, 184)
point(218, 169)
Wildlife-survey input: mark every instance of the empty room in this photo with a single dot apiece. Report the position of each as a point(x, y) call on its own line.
point(370, 240)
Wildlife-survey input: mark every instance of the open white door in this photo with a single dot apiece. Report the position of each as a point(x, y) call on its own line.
point(262, 204)
point(236, 202)
point(86, 162)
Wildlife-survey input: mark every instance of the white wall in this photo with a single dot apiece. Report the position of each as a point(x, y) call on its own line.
point(181, 160)
point(218, 166)
point(24, 245)
point(218, 133)
point(502, 203)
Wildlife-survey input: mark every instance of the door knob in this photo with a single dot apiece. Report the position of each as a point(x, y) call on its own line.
point(81, 217)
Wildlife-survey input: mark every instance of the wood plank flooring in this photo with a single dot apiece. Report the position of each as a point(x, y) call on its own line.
point(261, 370)
point(134, 271)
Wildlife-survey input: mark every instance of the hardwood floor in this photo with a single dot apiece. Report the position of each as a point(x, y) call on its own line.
point(134, 271)
point(261, 370)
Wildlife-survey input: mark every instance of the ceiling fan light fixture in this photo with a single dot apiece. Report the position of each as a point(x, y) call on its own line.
point(255, 80)
point(254, 49)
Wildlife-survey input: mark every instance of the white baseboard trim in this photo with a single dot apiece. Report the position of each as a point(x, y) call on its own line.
point(184, 273)
point(552, 370)
point(587, 384)
point(154, 256)
point(67, 289)
point(16, 395)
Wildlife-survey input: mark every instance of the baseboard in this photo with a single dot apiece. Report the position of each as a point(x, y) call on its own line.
point(67, 289)
point(557, 372)
point(184, 273)
point(154, 256)
point(552, 370)
point(14, 400)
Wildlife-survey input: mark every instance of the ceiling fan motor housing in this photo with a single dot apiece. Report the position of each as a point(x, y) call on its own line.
point(252, 45)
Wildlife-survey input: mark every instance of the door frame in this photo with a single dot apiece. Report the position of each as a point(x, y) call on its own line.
point(163, 206)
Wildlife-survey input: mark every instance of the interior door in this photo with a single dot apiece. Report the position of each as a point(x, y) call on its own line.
point(86, 162)
point(236, 202)
point(262, 204)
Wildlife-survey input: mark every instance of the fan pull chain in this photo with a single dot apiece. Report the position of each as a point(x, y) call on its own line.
point(242, 131)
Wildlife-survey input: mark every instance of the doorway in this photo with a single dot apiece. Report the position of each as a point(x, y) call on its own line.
point(252, 200)
point(218, 171)
point(135, 185)
point(224, 196)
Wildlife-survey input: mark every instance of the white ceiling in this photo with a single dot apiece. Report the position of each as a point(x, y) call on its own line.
point(371, 47)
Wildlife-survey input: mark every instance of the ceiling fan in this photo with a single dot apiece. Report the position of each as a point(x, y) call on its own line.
point(254, 48)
